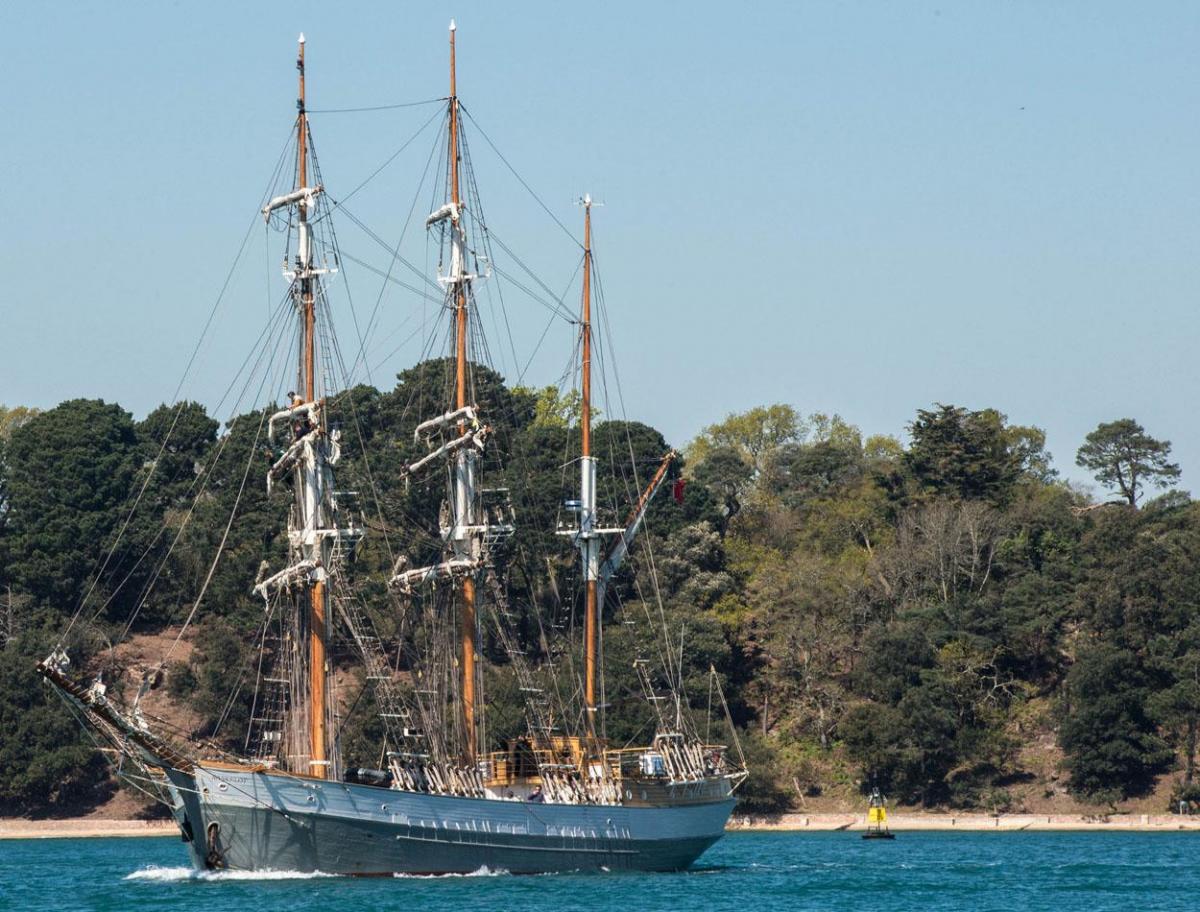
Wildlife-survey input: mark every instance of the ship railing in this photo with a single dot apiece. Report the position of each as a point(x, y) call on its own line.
point(670, 759)
point(501, 768)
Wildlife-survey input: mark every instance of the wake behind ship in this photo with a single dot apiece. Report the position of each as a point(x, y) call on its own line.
point(551, 793)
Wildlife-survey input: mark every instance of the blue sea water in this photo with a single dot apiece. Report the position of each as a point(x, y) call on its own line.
point(749, 872)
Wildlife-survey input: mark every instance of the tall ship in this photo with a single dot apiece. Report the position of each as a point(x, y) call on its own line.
point(451, 791)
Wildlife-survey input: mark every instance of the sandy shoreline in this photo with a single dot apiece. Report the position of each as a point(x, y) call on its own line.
point(798, 822)
point(57, 829)
point(1002, 822)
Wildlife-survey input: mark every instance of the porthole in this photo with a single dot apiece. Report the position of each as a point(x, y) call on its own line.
point(223, 786)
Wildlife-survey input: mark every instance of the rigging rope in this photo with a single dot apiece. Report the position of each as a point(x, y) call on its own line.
point(176, 402)
point(522, 180)
point(391, 158)
point(395, 253)
point(386, 107)
point(253, 451)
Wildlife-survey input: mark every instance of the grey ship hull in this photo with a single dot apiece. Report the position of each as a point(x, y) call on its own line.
point(243, 820)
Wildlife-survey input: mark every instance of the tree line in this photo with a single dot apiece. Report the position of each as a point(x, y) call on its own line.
point(909, 615)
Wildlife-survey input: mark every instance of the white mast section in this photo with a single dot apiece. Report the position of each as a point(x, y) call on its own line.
point(457, 283)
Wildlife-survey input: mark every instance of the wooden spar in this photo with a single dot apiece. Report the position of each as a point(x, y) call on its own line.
point(467, 621)
point(585, 419)
point(644, 499)
point(453, 122)
point(158, 748)
point(318, 759)
point(306, 292)
point(467, 631)
point(460, 311)
point(585, 424)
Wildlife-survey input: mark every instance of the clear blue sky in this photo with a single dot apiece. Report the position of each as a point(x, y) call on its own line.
point(859, 208)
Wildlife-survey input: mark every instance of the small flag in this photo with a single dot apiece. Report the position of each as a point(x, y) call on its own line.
point(677, 489)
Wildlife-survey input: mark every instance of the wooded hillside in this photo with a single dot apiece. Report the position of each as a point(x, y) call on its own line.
point(916, 616)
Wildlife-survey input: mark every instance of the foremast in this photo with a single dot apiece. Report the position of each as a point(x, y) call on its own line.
point(309, 475)
point(308, 453)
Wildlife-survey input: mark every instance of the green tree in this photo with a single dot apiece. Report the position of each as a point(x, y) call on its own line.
point(14, 417)
point(764, 791)
point(554, 408)
point(69, 471)
point(754, 434)
point(1122, 455)
point(46, 762)
point(1111, 741)
point(212, 683)
point(1028, 444)
point(802, 613)
point(691, 566)
point(727, 475)
point(10, 420)
point(1178, 706)
point(967, 454)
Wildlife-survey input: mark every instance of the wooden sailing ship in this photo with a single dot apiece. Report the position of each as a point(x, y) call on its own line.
point(558, 797)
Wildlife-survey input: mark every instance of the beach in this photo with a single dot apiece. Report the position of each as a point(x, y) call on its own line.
point(19, 828)
point(972, 822)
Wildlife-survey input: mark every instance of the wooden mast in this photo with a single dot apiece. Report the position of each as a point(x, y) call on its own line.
point(467, 621)
point(306, 290)
point(588, 470)
point(318, 760)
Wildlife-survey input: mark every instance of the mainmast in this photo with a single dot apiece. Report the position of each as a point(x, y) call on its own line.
point(469, 527)
point(310, 489)
point(589, 542)
point(464, 462)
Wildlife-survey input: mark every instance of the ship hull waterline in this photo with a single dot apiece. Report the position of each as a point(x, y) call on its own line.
point(254, 821)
